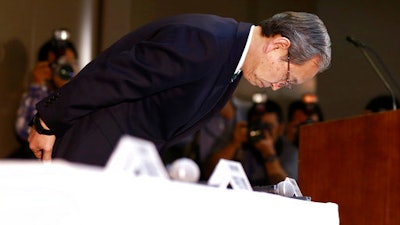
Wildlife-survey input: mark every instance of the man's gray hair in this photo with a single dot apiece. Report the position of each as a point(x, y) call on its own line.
point(307, 34)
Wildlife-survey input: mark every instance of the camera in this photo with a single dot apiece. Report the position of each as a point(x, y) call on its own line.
point(257, 131)
point(62, 67)
point(65, 69)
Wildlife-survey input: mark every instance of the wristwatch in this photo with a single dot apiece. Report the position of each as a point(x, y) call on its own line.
point(35, 123)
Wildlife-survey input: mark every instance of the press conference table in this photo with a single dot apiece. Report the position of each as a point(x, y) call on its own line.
point(64, 193)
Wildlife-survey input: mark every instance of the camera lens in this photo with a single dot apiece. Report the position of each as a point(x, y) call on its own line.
point(257, 131)
point(66, 72)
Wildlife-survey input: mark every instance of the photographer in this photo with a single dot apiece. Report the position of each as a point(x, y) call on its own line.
point(267, 156)
point(55, 67)
point(301, 112)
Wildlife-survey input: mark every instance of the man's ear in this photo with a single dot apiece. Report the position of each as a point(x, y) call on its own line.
point(281, 42)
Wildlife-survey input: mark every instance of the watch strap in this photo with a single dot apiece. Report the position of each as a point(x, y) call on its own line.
point(38, 126)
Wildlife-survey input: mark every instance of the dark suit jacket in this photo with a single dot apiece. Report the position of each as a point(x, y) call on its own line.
point(160, 82)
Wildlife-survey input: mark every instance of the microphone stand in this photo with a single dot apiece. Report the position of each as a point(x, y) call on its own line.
point(364, 49)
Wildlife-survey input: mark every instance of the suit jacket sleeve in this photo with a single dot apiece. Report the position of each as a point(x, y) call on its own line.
point(171, 56)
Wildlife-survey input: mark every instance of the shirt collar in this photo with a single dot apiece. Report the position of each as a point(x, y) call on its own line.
point(246, 49)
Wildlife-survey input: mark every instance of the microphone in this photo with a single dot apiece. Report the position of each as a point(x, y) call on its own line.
point(184, 169)
point(365, 49)
point(285, 188)
point(354, 41)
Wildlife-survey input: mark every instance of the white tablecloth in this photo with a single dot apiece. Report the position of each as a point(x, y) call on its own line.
point(63, 193)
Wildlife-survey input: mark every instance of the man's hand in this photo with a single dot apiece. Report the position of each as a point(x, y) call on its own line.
point(239, 134)
point(41, 145)
point(42, 73)
point(266, 145)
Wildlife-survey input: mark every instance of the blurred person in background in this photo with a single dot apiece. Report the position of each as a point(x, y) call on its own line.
point(259, 145)
point(300, 112)
point(56, 65)
point(212, 136)
point(381, 103)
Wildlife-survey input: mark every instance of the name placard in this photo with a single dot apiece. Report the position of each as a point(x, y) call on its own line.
point(138, 157)
point(228, 172)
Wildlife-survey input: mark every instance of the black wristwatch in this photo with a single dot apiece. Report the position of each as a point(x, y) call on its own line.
point(35, 123)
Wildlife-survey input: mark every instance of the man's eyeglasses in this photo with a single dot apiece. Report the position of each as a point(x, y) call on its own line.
point(287, 82)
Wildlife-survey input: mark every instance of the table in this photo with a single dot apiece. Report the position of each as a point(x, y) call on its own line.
point(64, 193)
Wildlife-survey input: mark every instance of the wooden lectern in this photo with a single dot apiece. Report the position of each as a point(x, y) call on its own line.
point(355, 163)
